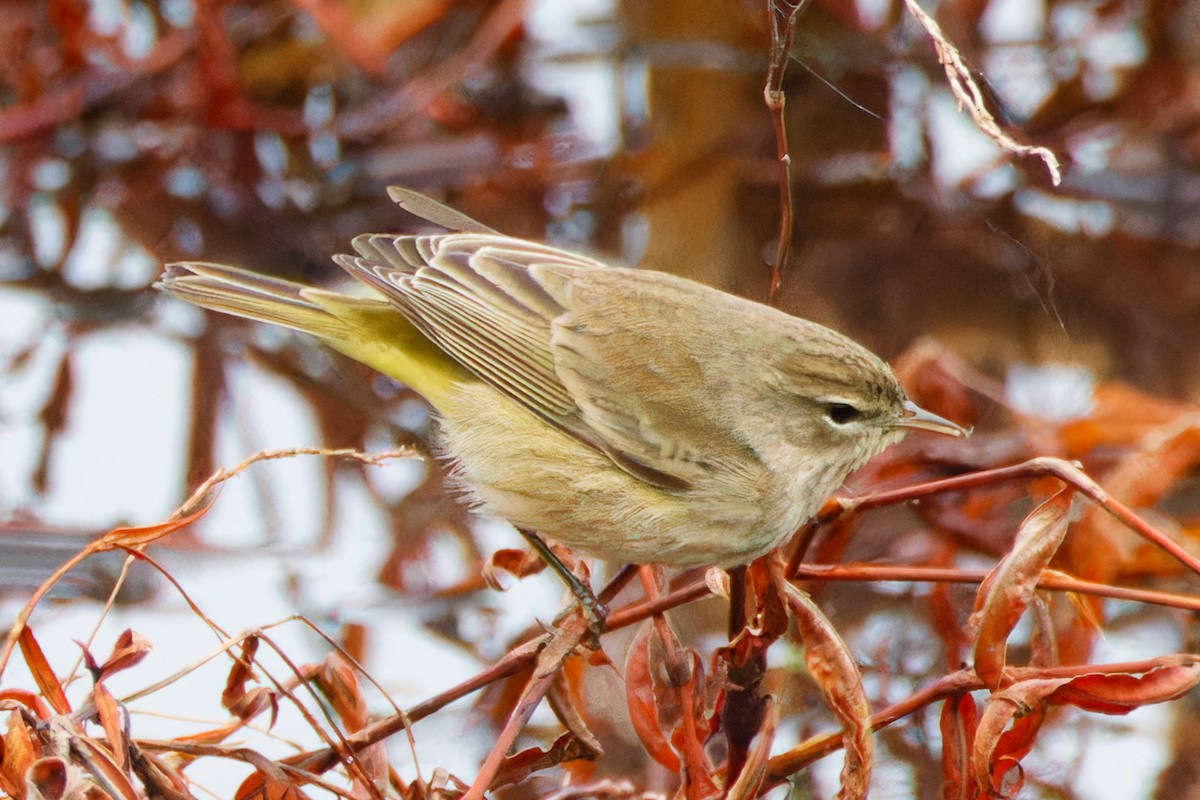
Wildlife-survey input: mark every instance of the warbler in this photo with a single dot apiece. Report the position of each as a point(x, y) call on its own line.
point(632, 415)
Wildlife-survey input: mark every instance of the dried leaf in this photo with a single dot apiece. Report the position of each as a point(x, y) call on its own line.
point(521, 765)
point(1102, 548)
point(105, 769)
point(516, 562)
point(641, 697)
point(50, 778)
point(212, 735)
point(692, 732)
point(1121, 416)
point(31, 700)
point(717, 581)
point(19, 751)
point(931, 375)
point(959, 718)
point(834, 670)
point(240, 673)
point(944, 614)
point(43, 675)
point(1122, 693)
point(277, 786)
point(54, 416)
point(1007, 592)
point(113, 722)
point(999, 749)
point(136, 537)
point(244, 703)
point(338, 681)
point(569, 704)
point(128, 651)
point(256, 701)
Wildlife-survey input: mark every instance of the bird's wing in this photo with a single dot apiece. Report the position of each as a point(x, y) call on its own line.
point(636, 350)
point(431, 210)
point(484, 300)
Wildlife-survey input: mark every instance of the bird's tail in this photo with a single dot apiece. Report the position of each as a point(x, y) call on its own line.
point(369, 330)
point(247, 294)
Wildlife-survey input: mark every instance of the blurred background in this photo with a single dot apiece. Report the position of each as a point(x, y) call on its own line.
point(264, 133)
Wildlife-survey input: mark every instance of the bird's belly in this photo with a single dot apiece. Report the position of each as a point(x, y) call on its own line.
point(515, 466)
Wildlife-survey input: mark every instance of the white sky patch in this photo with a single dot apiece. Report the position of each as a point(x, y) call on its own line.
point(121, 455)
point(874, 14)
point(587, 81)
point(1013, 21)
point(961, 153)
point(1051, 391)
point(48, 229)
point(909, 90)
point(281, 498)
point(23, 322)
point(1092, 218)
point(101, 257)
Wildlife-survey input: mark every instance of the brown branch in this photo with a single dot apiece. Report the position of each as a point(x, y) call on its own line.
point(1052, 580)
point(562, 644)
point(817, 747)
point(1065, 471)
point(783, 17)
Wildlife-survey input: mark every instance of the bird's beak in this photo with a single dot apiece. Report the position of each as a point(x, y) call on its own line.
point(916, 417)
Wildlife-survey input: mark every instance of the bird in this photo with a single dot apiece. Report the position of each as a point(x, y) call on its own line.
point(629, 414)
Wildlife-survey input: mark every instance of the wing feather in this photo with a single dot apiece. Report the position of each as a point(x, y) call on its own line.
point(503, 308)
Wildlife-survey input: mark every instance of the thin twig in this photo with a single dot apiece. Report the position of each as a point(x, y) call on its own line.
point(962, 681)
point(1049, 579)
point(969, 96)
point(562, 644)
point(783, 17)
point(1037, 467)
point(195, 507)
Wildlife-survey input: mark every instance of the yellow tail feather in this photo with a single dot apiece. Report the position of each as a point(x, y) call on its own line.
point(368, 330)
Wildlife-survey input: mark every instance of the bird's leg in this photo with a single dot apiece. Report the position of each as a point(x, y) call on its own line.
point(596, 611)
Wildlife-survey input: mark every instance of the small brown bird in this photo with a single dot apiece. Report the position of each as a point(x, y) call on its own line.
point(630, 414)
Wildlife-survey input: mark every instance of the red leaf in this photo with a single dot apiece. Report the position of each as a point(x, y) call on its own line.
point(518, 563)
point(109, 714)
point(999, 749)
point(959, 718)
point(43, 675)
point(339, 683)
point(17, 752)
point(338, 680)
point(565, 750)
point(1024, 705)
point(241, 672)
point(136, 537)
point(102, 762)
point(1122, 693)
point(832, 666)
point(128, 651)
point(49, 778)
point(692, 732)
point(29, 699)
point(1007, 592)
point(642, 700)
point(260, 786)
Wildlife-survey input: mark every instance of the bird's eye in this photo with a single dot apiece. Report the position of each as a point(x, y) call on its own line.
point(842, 413)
